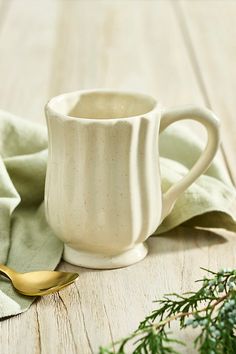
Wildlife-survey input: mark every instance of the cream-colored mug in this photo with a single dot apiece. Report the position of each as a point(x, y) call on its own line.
point(103, 195)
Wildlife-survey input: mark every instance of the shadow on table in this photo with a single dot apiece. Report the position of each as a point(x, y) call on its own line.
point(176, 240)
point(185, 238)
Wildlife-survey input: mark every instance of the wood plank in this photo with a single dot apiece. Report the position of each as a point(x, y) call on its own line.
point(99, 48)
point(20, 334)
point(26, 43)
point(138, 46)
point(209, 31)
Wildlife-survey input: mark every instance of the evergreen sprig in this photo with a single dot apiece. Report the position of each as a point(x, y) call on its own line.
point(212, 309)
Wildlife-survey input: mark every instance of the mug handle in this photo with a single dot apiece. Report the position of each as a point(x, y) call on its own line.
point(211, 123)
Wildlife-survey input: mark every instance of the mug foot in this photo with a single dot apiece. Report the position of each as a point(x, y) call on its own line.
point(98, 261)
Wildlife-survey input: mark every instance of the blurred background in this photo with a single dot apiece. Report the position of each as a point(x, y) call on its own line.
point(179, 51)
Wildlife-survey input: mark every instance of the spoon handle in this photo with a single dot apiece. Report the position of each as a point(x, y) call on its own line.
point(4, 270)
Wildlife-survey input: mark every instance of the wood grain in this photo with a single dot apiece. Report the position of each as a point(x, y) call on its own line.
point(209, 32)
point(51, 47)
point(27, 40)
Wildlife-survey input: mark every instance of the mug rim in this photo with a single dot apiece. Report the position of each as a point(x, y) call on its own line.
point(66, 117)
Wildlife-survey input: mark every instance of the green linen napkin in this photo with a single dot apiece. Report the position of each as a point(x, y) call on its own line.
point(26, 241)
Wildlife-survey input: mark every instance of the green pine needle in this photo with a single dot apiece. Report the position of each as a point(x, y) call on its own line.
point(212, 309)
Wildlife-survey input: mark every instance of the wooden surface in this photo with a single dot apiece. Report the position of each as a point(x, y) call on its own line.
point(179, 51)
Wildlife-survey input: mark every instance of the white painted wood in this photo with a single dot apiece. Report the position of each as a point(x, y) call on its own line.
point(209, 31)
point(27, 38)
point(58, 46)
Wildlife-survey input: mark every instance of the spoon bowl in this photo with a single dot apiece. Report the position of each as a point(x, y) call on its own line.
point(38, 283)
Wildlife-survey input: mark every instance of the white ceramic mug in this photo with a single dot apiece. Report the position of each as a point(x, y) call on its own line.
point(103, 193)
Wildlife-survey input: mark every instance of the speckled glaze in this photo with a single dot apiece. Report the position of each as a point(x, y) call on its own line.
point(103, 187)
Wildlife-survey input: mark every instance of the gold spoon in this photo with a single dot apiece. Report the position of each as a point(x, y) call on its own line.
point(38, 283)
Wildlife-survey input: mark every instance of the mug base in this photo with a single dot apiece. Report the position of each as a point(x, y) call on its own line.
point(98, 261)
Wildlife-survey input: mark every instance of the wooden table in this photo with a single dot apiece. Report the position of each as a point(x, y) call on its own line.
point(179, 51)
